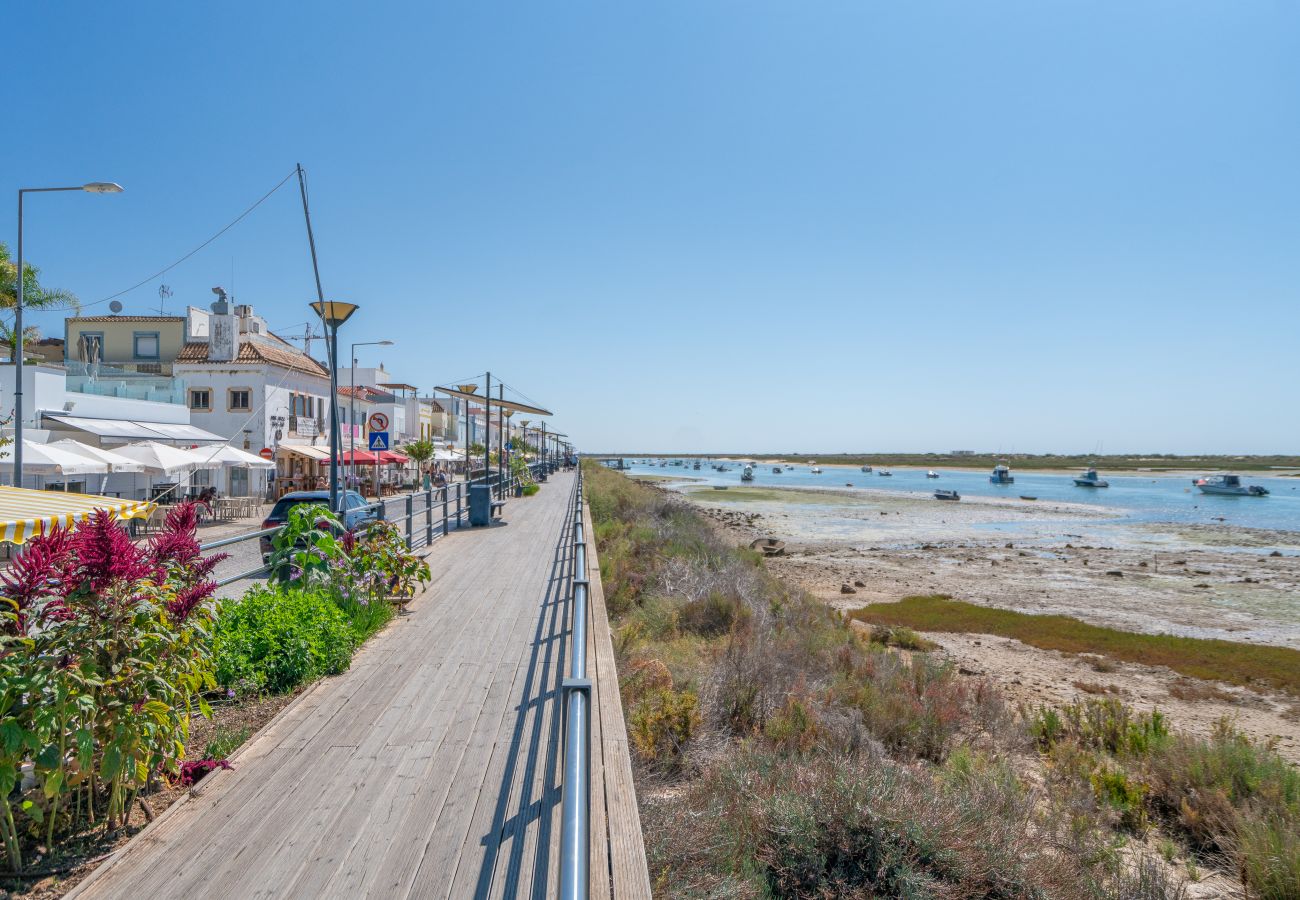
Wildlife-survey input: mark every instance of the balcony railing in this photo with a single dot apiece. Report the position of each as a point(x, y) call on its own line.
point(109, 381)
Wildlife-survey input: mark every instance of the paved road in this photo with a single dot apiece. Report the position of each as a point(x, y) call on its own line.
point(246, 555)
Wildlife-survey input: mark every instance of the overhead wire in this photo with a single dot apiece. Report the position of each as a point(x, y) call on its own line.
point(166, 269)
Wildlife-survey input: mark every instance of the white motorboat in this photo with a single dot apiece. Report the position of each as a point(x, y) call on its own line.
point(932, 474)
point(816, 470)
point(1001, 475)
point(867, 469)
point(1230, 486)
point(1091, 479)
point(885, 473)
point(747, 474)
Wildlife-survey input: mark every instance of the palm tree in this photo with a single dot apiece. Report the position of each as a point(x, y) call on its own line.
point(34, 297)
point(421, 451)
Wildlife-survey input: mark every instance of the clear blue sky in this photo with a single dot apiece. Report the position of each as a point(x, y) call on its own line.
point(715, 225)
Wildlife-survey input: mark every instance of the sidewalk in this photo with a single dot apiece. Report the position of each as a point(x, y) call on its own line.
point(430, 769)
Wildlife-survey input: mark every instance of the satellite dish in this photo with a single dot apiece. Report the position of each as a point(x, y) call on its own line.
point(115, 307)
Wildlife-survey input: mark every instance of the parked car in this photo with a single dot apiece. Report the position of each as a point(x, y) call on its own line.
point(356, 512)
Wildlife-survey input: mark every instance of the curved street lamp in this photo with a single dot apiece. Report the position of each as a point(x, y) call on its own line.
point(92, 187)
point(334, 313)
point(467, 389)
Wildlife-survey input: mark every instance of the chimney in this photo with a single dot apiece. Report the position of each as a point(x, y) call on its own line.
point(223, 331)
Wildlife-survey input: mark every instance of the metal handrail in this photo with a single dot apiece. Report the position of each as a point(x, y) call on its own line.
point(575, 823)
point(405, 519)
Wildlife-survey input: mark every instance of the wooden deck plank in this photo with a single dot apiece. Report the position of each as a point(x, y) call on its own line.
point(327, 798)
point(432, 767)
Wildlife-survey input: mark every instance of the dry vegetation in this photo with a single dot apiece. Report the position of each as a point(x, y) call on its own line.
point(781, 752)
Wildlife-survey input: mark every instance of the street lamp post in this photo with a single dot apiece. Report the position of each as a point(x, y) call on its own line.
point(352, 403)
point(501, 444)
point(467, 389)
point(487, 429)
point(94, 187)
point(523, 436)
point(334, 313)
point(509, 444)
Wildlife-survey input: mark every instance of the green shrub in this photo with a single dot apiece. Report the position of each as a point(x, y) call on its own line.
point(531, 488)
point(661, 723)
point(275, 639)
point(1122, 794)
point(793, 728)
point(709, 616)
point(225, 742)
point(914, 709)
point(899, 636)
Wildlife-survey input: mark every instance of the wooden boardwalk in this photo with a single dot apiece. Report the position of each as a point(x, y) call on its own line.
point(432, 767)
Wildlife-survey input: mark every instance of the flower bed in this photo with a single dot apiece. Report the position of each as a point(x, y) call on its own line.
point(108, 647)
point(106, 650)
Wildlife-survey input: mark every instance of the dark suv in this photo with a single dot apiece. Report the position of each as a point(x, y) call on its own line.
point(356, 512)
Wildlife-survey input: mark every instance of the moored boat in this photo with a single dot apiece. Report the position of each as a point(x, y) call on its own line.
point(932, 474)
point(816, 470)
point(942, 494)
point(1229, 486)
point(776, 470)
point(867, 469)
point(885, 473)
point(1001, 475)
point(747, 474)
point(1091, 479)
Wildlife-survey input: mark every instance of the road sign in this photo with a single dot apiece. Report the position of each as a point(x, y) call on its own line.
point(266, 453)
point(378, 422)
point(378, 439)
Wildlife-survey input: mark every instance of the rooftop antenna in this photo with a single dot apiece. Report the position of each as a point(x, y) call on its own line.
point(163, 293)
point(306, 337)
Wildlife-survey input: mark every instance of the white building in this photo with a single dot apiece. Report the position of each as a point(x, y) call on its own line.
point(249, 385)
point(107, 409)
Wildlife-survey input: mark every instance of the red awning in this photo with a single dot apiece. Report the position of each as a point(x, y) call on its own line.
point(388, 456)
point(359, 457)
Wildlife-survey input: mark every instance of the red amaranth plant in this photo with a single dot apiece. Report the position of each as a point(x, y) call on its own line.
point(188, 598)
point(36, 572)
point(104, 645)
point(105, 554)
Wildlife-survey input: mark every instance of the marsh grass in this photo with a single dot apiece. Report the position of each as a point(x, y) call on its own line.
point(1251, 665)
point(780, 752)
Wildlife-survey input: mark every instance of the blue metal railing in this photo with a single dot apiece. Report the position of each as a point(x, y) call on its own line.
point(413, 506)
point(575, 825)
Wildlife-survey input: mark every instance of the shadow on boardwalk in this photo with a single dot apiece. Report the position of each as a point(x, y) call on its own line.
point(529, 791)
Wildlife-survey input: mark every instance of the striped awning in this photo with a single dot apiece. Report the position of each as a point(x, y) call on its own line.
point(25, 513)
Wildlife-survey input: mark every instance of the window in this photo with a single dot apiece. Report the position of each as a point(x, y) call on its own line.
point(146, 345)
point(200, 399)
point(239, 400)
point(90, 346)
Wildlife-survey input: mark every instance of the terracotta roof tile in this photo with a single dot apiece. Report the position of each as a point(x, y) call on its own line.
point(127, 319)
point(254, 352)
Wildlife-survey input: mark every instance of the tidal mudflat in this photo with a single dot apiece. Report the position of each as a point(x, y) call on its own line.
point(856, 547)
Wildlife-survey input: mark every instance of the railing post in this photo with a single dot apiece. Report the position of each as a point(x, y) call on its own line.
point(459, 504)
point(444, 511)
point(410, 521)
point(428, 517)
